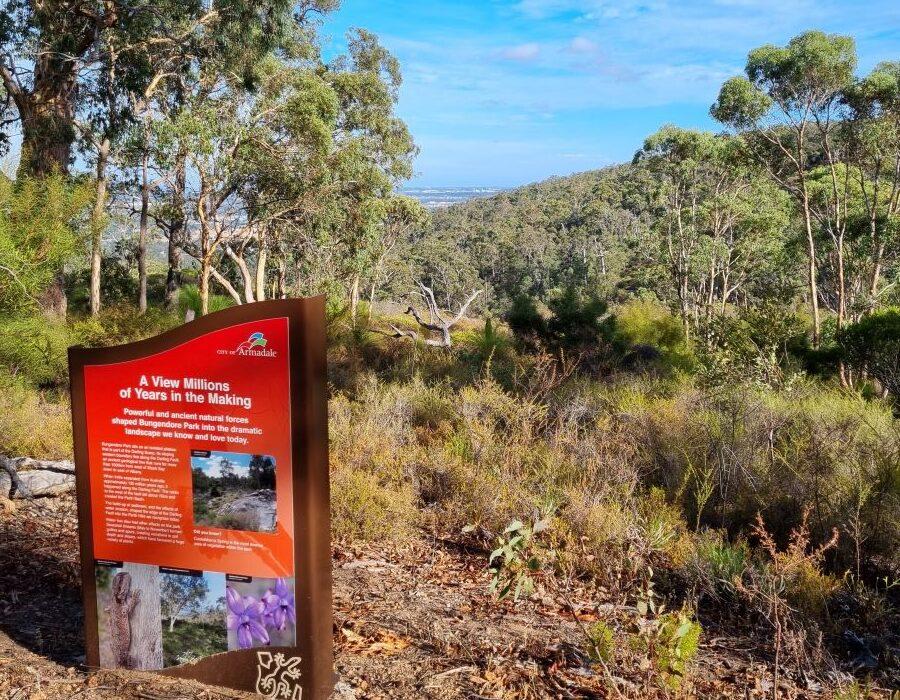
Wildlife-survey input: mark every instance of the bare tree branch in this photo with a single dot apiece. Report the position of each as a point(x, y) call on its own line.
point(436, 323)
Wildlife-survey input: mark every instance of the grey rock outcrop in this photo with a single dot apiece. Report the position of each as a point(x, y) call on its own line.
point(38, 477)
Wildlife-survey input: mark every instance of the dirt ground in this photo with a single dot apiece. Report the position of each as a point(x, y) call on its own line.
point(411, 621)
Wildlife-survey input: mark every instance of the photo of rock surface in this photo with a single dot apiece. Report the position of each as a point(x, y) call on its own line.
point(234, 491)
point(260, 612)
point(128, 606)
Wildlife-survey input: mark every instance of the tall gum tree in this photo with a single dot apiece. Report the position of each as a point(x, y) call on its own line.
point(790, 96)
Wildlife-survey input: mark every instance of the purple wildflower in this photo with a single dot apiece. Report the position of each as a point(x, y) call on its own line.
point(245, 616)
point(279, 602)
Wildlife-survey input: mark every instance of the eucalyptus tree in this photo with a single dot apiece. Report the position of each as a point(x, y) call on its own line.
point(873, 136)
point(720, 225)
point(374, 151)
point(68, 66)
point(787, 110)
point(244, 151)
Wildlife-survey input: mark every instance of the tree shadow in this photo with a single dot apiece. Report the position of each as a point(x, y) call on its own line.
point(40, 590)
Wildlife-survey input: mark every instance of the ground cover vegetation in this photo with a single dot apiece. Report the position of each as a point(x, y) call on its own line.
point(673, 407)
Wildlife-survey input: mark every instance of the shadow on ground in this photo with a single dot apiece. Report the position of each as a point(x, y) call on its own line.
point(40, 591)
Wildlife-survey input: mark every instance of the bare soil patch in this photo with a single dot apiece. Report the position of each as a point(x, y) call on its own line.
point(411, 621)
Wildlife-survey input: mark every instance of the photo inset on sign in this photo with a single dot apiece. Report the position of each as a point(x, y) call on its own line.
point(261, 612)
point(233, 491)
point(128, 601)
point(193, 613)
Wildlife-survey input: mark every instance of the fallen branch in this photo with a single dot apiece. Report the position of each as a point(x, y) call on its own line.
point(15, 481)
point(31, 478)
point(436, 323)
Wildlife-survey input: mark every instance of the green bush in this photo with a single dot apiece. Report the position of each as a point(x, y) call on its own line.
point(33, 348)
point(650, 334)
point(364, 507)
point(873, 345)
point(119, 325)
point(189, 300)
point(32, 424)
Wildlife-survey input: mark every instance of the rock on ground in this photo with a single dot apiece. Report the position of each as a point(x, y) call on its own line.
point(40, 477)
point(257, 508)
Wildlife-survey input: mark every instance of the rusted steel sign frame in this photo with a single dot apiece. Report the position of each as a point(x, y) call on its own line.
point(305, 669)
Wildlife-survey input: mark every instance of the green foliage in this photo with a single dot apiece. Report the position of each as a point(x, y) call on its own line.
point(601, 642)
point(189, 299)
point(575, 320)
point(720, 562)
point(39, 233)
point(873, 345)
point(34, 349)
point(192, 640)
point(32, 423)
point(368, 507)
point(675, 645)
point(650, 334)
point(517, 558)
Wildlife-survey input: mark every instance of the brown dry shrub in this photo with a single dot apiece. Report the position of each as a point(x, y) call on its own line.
point(31, 424)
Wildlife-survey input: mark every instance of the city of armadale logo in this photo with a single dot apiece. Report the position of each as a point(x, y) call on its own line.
point(254, 346)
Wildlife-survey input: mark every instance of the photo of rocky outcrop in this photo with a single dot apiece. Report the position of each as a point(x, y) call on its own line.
point(128, 605)
point(234, 491)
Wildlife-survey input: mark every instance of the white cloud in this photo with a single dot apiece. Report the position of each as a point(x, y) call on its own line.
point(583, 45)
point(522, 52)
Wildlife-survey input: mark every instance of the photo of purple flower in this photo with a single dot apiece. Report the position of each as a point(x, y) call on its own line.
point(260, 612)
point(245, 618)
point(279, 603)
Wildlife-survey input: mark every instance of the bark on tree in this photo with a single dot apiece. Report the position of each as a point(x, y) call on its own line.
point(146, 630)
point(354, 297)
point(261, 262)
point(142, 238)
point(177, 231)
point(98, 219)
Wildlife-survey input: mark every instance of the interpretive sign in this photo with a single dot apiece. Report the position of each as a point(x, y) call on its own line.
point(203, 503)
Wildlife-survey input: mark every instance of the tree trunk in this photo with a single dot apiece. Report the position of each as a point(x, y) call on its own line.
point(282, 278)
point(204, 286)
point(354, 297)
point(142, 239)
point(47, 137)
point(811, 271)
point(53, 300)
point(176, 234)
point(98, 221)
point(261, 261)
point(146, 632)
point(47, 125)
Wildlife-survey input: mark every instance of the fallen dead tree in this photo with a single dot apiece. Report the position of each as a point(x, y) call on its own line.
point(436, 322)
point(23, 477)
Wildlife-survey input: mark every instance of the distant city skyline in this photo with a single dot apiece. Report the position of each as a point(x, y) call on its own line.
point(506, 92)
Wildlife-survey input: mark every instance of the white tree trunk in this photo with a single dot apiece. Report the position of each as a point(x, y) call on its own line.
point(146, 622)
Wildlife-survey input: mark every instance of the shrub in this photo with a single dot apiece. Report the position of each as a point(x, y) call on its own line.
point(718, 562)
point(33, 348)
point(873, 345)
point(674, 646)
point(118, 325)
point(651, 335)
point(32, 425)
point(364, 508)
point(189, 299)
point(517, 559)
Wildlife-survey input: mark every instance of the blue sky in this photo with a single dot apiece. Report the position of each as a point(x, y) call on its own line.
point(504, 92)
point(212, 465)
